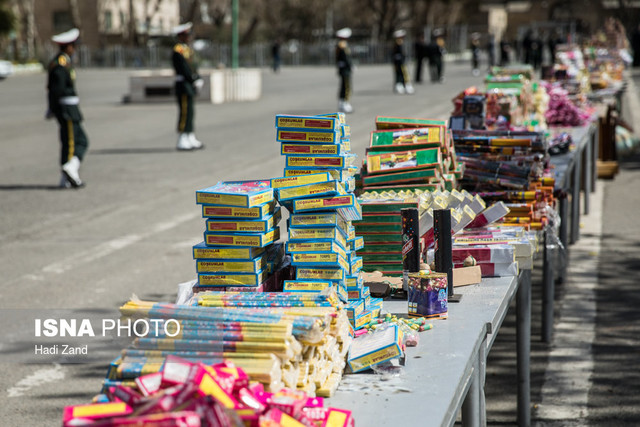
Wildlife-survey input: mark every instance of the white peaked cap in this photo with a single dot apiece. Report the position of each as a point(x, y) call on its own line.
point(343, 33)
point(399, 33)
point(66, 37)
point(182, 28)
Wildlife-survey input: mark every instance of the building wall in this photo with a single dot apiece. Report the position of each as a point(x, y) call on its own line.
point(53, 17)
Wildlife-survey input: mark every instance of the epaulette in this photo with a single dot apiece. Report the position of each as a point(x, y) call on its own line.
point(62, 60)
point(179, 47)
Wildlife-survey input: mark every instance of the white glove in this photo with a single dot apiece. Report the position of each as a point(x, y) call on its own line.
point(198, 84)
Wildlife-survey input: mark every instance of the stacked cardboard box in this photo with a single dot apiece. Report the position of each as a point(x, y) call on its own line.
point(318, 191)
point(238, 250)
point(410, 153)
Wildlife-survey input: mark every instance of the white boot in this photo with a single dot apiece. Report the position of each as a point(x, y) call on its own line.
point(70, 170)
point(409, 89)
point(184, 143)
point(399, 88)
point(195, 144)
point(347, 108)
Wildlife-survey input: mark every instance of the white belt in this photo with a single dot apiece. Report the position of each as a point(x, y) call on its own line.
point(69, 100)
point(179, 78)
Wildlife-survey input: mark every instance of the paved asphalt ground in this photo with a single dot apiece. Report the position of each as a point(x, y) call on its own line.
point(130, 231)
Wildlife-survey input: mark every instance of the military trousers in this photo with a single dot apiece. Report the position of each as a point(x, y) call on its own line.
point(73, 139)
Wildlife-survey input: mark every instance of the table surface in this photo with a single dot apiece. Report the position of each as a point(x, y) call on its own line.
point(434, 382)
point(562, 162)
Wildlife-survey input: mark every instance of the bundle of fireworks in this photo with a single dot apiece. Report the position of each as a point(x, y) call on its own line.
point(509, 167)
point(241, 227)
point(381, 224)
point(497, 259)
point(282, 339)
point(427, 296)
point(382, 345)
point(318, 191)
point(193, 394)
point(408, 153)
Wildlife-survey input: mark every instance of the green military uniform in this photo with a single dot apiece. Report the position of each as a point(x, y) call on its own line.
point(63, 104)
point(186, 75)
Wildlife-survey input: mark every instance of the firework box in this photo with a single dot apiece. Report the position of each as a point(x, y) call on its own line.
point(318, 273)
point(385, 122)
point(427, 295)
point(302, 179)
point(202, 251)
point(403, 160)
point(382, 248)
point(355, 265)
point(482, 253)
point(405, 139)
point(344, 202)
point(306, 286)
point(381, 238)
point(231, 266)
point(310, 260)
point(362, 319)
point(315, 220)
point(307, 122)
point(495, 269)
point(320, 189)
point(463, 276)
point(318, 235)
point(244, 226)
point(340, 116)
point(256, 212)
point(354, 281)
point(371, 349)
point(295, 149)
point(231, 279)
point(329, 162)
point(339, 174)
point(406, 187)
point(315, 247)
point(382, 257)
point(354, 308)
point(309, 136)
point(94, 411)
point(522, 247)
point(242, 239)
point(357, 243)
point(365, 227)
point(244, 194)
point(419, 176)
point(491, 214)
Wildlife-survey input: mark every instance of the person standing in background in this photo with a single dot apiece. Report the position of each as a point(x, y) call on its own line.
point(275, 55)
point(402, 82)
point(64, 106)
point(475, 54)
point(343, 62)
point(505, 48)
point(491, 48)
point(188, 83)
point(419, 52)
point(436, 54)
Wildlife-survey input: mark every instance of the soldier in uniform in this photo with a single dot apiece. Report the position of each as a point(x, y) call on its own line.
point(188, 83)
point(403, 84)
point(343, 62)
point(64, 106)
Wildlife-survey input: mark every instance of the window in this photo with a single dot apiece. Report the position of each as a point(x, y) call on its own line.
point(108, 21)
point(62, 21)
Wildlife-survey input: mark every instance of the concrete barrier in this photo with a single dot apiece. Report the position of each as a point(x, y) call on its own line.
point(220, 86)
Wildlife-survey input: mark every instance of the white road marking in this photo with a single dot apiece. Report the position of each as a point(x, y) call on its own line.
point(36, 379)
point(567, 380)
point(114, 245)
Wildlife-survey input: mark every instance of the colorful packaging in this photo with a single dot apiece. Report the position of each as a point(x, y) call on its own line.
point(333, 162)
point(306, 286)
point(202, 251)
point(401, 139)
point(317, 273)
point(329, 219)
point(383, 122)
point(307, 122)
point(244, 226)
point(427, 296)
point(244, 194)
point(321, 189)
point(302, 135)
point(242, 239)
point(295, 149)
point(231, 279)
point(316, 247)
point(312, 177)
point(231, 266)
point(371, 349)
point(318, 235)
point(307, 259)
point(403, 160)
point(256, 212)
